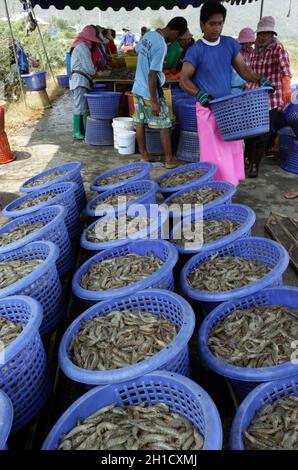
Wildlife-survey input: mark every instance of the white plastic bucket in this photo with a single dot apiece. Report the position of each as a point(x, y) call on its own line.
point(126, 142)
point(121, 124)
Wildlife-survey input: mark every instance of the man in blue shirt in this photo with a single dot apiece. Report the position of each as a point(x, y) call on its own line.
point(128, 40)
point(150, 105)
point(206, 70)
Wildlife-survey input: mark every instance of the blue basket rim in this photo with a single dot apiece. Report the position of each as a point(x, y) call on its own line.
point(222, 296)
point(7, 418)
point(210, 167)
point(139, 183)
point(31, 327)
point(119, 375)
point(32, 74)
point(64, 76)
point(48, 263)
point(209, 410)
point(144, 167)
point(58, 218)
point(106, 94)
point(243, 93)
point(245, 374)
point(228, 194)
point(77, 166)
point(249, 404)
point(217, 244)
point(131, 288)
point(92, 246)
point(9, 210)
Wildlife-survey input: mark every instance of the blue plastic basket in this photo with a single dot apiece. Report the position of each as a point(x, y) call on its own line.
point(208, 168)
point(154, 231)
point(245, 379)
point(73, 174)
point(43, 284)
point(291, 113)
point(146, 189)
point(161, 279)
point(35, 81)
point(63, 81)
point(286, 141)
point(182, 395)
point(290, 162)
point(234, 212)
point(187, 115)
point(143, 170)
point(6, 418)
point(259, 249)
point(54, 231)
point(103, 105)
point(65, 192)
point(102, 86)
point(179, 99)
point(153, 142)
point(99, 132)
point(259, 397)
point(24, 376)
point(188, 147)
point(243, 115)
point(173, 358)
point(228, 190)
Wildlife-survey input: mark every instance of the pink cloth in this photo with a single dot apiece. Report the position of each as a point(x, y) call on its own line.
point(87, 36)
point(227, 156)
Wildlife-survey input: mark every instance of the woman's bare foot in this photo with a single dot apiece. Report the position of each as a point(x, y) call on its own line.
point(149, 158)
point(170, 164)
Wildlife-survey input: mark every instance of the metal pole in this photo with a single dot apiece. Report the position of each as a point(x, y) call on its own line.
point(15, 52)
point(42, 42)
point(262, 9)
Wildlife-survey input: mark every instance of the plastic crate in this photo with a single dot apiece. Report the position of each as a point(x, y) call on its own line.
point(6, 418)
point(173, 358)
point(143, 173)
point(153, 142)
point(182, 395)
point(99, 132)
point(188, 147)
point(146, 189)
point(65, 196)
point(228, 190)
point(54, 230)
point(43, 284)
point(234, 212)
point(73, 174)
point(24, 375)
point(290, 162)
point(243, 115)
point(259, 249)
point(103, 105)
point(161, 279)
point(63, 81)
point(259, 397)
point(208, 168)
point(35, 81)
point(153, 232)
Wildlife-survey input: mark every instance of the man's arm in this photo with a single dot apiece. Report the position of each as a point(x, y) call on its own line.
point(153, 92)
point(186, 82)
point(244, 70)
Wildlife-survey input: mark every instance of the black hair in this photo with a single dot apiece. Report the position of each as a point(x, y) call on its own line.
point(178, 24)
point(113, 33)
point(210, 9)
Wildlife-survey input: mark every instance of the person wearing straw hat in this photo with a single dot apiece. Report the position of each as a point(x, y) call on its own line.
point(246, 39)
point(271, 59)
point(128, 40)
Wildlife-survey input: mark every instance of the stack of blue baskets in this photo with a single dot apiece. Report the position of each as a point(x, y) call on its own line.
point(188, 146)
point(103, 107)
point(288, 150)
